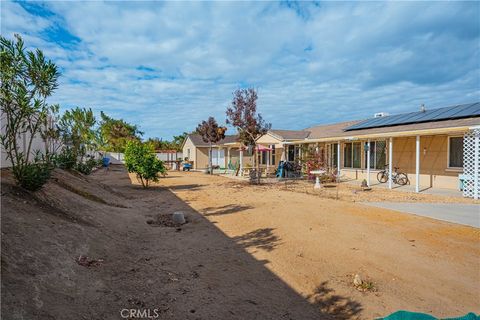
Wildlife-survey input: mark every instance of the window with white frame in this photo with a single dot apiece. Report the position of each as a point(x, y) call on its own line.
point(455, 152)
point(352, 155)
point(378, 154)
point(333, 155)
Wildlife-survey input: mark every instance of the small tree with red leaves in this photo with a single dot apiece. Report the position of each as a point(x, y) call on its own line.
point(242, 114)
point(211, 133)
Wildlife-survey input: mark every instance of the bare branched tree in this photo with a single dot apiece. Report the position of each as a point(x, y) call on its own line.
point(242, 114)
point(211, 133)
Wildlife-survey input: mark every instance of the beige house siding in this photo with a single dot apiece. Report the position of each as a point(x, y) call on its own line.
point(434, 170)
point(268, 140)
point(190, 148)
point(202, 158)
point(433, 161)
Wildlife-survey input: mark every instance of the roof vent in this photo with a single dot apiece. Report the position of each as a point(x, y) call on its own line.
point(380, 114)
point(422, 108)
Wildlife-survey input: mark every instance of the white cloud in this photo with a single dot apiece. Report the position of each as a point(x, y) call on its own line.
point(166, 66)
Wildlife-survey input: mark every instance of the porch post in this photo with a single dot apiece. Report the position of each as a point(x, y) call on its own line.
point(390, 157)
point(368, 162)
point(241, 160)
point(228, 157)
point(417, 164)
point(299, 153)
point(268, 157)
point(338, 160)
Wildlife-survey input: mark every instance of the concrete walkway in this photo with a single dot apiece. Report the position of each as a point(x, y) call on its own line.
point(466, 214)
point(411, 188)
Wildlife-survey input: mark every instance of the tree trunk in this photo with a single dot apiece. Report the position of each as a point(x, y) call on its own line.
point(257, 164)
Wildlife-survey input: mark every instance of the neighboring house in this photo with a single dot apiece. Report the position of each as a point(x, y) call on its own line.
point(195, 150)
point(436, 147)
point(229, 150)
point(275, 141)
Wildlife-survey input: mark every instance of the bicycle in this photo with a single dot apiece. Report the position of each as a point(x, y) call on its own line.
point(400, 178)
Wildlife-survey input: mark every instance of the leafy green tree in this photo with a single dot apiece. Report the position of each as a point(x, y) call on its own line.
point(114, 134)
point(27, 80)
point(141, 160)
point(77, 131)
point(178, 141)
point(175, 144)
point(158, 144)
point(211, 133)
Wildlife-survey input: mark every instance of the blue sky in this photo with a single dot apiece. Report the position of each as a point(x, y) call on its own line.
point(168, 65)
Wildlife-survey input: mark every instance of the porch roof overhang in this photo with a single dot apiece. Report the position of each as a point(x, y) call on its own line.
point(232, 145)
point(393, 134)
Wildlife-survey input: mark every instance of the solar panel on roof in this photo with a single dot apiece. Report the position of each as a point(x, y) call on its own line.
point(451, 112)
point(474, 109)
point(447, 113)
point(397, 118)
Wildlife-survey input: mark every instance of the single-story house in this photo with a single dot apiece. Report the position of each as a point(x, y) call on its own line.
point(437, 148)
point(195, 150)
point(230, 150)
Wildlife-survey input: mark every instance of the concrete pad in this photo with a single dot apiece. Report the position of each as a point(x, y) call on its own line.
point(466, 214)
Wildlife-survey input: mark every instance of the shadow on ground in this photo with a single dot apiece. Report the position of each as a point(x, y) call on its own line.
point(192, 272)
point(338, 306)
point(187, 187)
point(263, 239)
point(227, 209)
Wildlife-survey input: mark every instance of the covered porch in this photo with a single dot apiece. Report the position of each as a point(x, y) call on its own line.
point(240, 158)
point(444, 159)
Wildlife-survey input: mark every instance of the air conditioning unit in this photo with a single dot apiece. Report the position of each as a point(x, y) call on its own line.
point(380, 114)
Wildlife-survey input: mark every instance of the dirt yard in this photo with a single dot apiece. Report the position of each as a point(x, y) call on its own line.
point(88, 248)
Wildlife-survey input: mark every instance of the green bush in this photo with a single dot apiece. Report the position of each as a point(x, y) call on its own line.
point(92, 163)
point(87, 167)
point(141, 159)
point(65, 159)
point(83, 168)
point(32, 176)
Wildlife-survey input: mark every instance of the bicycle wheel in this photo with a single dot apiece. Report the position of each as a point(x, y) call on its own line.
point(382, 177)
point(402, 179)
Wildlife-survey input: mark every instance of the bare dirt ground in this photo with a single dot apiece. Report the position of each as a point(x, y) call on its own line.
point(88, 247)
point(316, 244)
point(354, 193)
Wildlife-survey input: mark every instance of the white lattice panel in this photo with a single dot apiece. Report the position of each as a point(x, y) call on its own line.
point(471, 164)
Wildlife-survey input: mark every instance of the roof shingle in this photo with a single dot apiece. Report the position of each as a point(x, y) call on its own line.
point(198, 141)
point(290, 134)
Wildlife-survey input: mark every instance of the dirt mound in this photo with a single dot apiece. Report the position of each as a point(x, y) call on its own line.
point(80, 248)
point(43, 235)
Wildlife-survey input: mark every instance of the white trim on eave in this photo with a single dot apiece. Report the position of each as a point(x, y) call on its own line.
point(384, 135)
